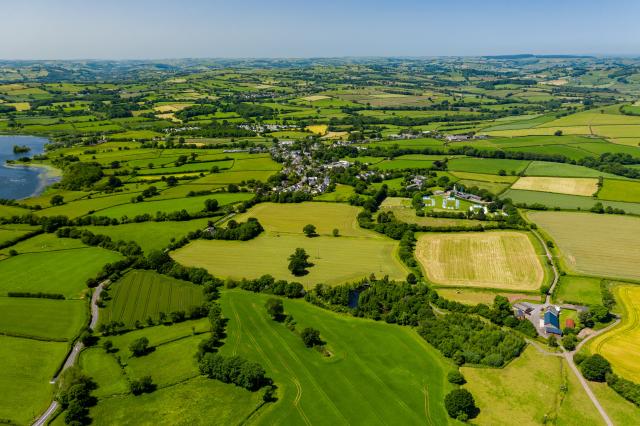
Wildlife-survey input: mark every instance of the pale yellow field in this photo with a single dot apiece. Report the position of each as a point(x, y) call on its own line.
point(20, 106)
point(622, 344)
point(571, 186)
point(318, 129)
point(558, 82)
point(171, 107)
point(502, 260)
point(169, 116)
point(314, 98)
point(335, 135)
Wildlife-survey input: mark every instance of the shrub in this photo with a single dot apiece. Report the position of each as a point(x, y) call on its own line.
point(456, 378)
point(275, 308)
point(311, 337)
point(143, 385)
point(595, 368)
point(139, 346)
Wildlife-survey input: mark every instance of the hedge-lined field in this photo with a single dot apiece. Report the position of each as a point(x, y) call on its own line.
point(42, 318)
point(143, 294)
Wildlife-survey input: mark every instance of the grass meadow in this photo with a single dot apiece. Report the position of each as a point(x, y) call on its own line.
point(42, 318)
point(620, 190)
point(377, 374)
point(592, 244)
point(64, 272)
point(142, 294)
point(580, 290)
point(502, 260)
point(565, 202)
point(529, 391)
point(27, 367)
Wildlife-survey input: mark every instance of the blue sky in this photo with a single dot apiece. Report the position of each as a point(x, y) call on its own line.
point(145, 29)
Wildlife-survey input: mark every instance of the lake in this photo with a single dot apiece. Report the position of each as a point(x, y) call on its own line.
point(18, 182)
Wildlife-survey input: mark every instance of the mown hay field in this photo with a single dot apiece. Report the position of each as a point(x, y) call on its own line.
point(571, 186)
point(377, 374)
point(502, 260)
point(621, 345)
point(592, 244)
point(144, 294)
point(336, 259)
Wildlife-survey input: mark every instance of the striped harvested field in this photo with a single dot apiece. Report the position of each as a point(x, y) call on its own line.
point(503, 260)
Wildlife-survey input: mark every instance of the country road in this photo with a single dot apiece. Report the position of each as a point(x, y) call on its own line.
point(73, 355)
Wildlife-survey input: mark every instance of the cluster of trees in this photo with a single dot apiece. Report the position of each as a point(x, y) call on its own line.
point(467, 339)
point(38, 295)
point(142, 385)
point(218, 324)
point(195, 110)
point(79, 175)
point(129, 249)
point(74, 395)
point(625, 388)
point(236, 231)
point(269, 285)
point(237, 370)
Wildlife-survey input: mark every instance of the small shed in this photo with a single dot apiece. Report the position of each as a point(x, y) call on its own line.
point(570, 323)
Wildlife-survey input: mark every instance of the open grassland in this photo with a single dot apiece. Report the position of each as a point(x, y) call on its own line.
point(8, 211)
point(529, 391)
point(27, 367)
point(190, 204)
point(620, 190)
point(485, 177)
point(564, 201)
point(105, 371)
point(341, 194)
point(199, 401)
point(543, 168)
point(150, 235)
point(571, 186)
point(621, 411)
point(579, 290)
point(64, 271)
point(41, 318)
point(44, 242)
point(592, 244)
point(487, 165)
point(291, 218)
point(144, 294)
point(621, 345)
point(336, 259)
point(377, 374)
point(503, 260)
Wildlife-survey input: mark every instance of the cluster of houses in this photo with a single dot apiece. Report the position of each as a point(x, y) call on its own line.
point(309, 176)
point(546, 318)
point(262, 128)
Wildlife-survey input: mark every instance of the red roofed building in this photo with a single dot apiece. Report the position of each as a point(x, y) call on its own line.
point(569, 323)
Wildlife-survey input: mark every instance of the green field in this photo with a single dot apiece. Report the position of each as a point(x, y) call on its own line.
point(377, 374)
point(620, 190)
point(620, 345)
point(580, 290)
point(543, 168)
point(41, 318)
point(150, 235)
point(336, 259)
point(602, 245)
point(621, 411)
point(27, 367)
point(144, 294)
point(64, 272)
point(529, 391)
point(190, 204)
point(501, 259)
point(487, 166)
point(564, 201)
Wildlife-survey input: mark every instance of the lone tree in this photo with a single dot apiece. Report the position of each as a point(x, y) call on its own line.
point(309, 230)
point(275, 308)
point(299, 262)
point(210, 205)
point(460, 404)
point(336, 232)
point(57, 200)
point(595, 368)
point(139, 346)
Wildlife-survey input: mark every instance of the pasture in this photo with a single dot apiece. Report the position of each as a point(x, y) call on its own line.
point(592, 244)
point(487, 165)
point(621, 345)
point(502, 260)
point(564, 201)
point(544, 168)
point(336, 259)
point(64, 271)
point(144, 294)
point(579, 290)
point(620, 190)
point(377, 374)
point(571, 186)
point(529, 391)
point(27, 367)
point(42, 318)
point(150, 235)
